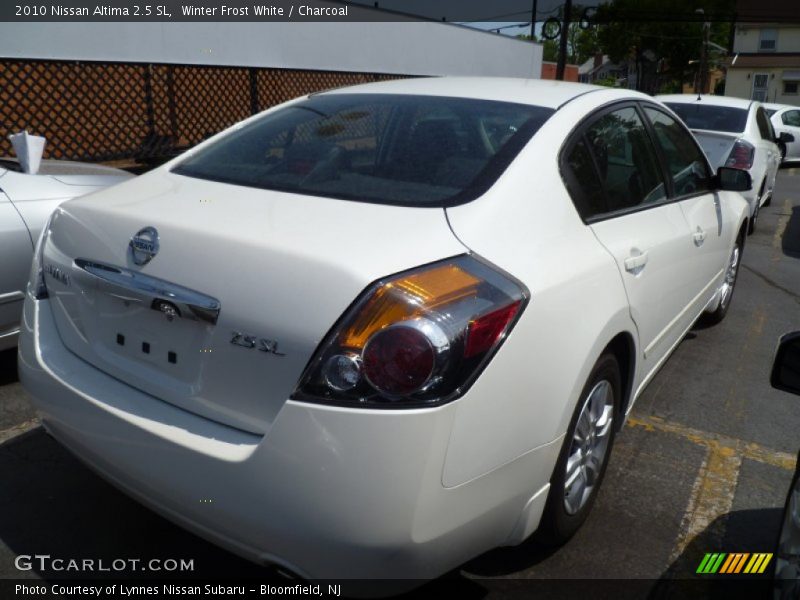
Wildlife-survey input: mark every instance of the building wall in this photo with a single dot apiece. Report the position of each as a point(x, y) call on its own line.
point(549, 71)
point(747, 37)
point(118, 91)
point(749, 60)
point(412, 47)
point(739, 85)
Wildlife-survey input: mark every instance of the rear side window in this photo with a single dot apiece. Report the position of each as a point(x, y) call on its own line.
point(383, 148)
point(623, 170)
point(710, 117)
point(791, 118)
point(685, 160)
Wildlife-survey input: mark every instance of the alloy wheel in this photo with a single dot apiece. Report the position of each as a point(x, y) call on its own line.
point(726, 291)
point(589, 447)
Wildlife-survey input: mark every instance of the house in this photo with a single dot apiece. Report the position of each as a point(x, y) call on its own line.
point(600, 68)
point(765, 62)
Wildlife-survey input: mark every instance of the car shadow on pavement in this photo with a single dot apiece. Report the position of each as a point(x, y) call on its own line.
point(52, 504)
point(508, 560)
point(742, 531)
point(790, 243)
point(8, 366)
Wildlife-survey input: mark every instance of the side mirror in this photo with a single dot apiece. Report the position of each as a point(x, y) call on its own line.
point(785, 137)
point(733, 180)
point(786, 366)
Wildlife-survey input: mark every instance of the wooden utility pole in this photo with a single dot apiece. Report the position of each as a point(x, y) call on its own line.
point(704, 59)
point(562, 41)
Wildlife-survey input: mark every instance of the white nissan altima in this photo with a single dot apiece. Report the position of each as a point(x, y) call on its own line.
point(377, 331)
point(734, 133)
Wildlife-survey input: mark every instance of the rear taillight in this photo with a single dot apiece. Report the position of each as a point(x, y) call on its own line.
point(419, 338)
point(741, 156)
point(36, 284)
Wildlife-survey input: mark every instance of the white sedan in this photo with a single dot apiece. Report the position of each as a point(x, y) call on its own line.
point(26, 201)
point(377, 331)
point(786, 122)
point(734, 133)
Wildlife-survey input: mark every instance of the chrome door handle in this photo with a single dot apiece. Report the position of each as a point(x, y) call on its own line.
point(634, 264)
point(699, 237)
point(164, 296)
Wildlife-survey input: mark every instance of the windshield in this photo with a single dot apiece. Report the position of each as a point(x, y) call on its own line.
point(385, 148)
point(710, 117)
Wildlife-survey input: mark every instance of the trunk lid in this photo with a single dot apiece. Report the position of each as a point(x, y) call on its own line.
point(281, 267)
point(716, 144)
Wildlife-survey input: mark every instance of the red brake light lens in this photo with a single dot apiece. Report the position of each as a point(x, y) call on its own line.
point(741, 156)
point(399, 360)
point(419, 338)
point(484, 331)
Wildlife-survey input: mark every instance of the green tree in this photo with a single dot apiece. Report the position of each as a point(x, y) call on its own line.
point(663, 41)
point(582, 42)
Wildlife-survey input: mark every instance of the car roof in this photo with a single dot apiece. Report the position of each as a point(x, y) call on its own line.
point(706, 99)
point(777, 107)
point(537, 92)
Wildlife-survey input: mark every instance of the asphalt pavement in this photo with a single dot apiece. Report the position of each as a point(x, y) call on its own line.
point(703, 464)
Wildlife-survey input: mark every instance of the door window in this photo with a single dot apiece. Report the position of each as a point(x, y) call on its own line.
point(764, 126)
point(613, 167)
point(685, 160)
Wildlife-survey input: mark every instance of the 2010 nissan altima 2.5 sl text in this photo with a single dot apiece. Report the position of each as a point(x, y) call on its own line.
point(385, 328)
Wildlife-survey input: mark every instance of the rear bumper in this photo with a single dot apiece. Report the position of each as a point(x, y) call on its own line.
point(8, 339)
point(327, 492)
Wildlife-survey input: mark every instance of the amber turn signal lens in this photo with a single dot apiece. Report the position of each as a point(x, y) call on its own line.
point(408, 298)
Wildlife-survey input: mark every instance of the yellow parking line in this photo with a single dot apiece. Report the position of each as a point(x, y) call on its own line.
point(750, 450)
point(712, 497)
point(715, 485)
point(12, 432)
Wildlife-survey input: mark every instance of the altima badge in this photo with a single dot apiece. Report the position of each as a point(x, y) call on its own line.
point(57, 274)
point(144, 245)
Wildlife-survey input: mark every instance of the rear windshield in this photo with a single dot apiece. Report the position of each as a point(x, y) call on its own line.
point(391, 149)
point(708, 116)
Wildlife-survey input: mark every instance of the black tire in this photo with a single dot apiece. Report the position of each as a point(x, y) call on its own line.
point(751, 226)
point(754, 218)
point(558, 525)
point(712, 318)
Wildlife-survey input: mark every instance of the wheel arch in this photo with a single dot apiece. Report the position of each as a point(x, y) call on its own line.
point(623, 347)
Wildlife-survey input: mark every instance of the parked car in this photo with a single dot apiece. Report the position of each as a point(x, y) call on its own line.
point(377, 331)
point(786, 120)
point(26, 201)
point(733, 133)
point(786, 377)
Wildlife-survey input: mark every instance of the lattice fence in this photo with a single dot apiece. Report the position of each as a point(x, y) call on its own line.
point(148, 112)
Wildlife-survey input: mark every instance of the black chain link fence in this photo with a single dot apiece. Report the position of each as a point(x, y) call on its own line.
point(93, 111)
